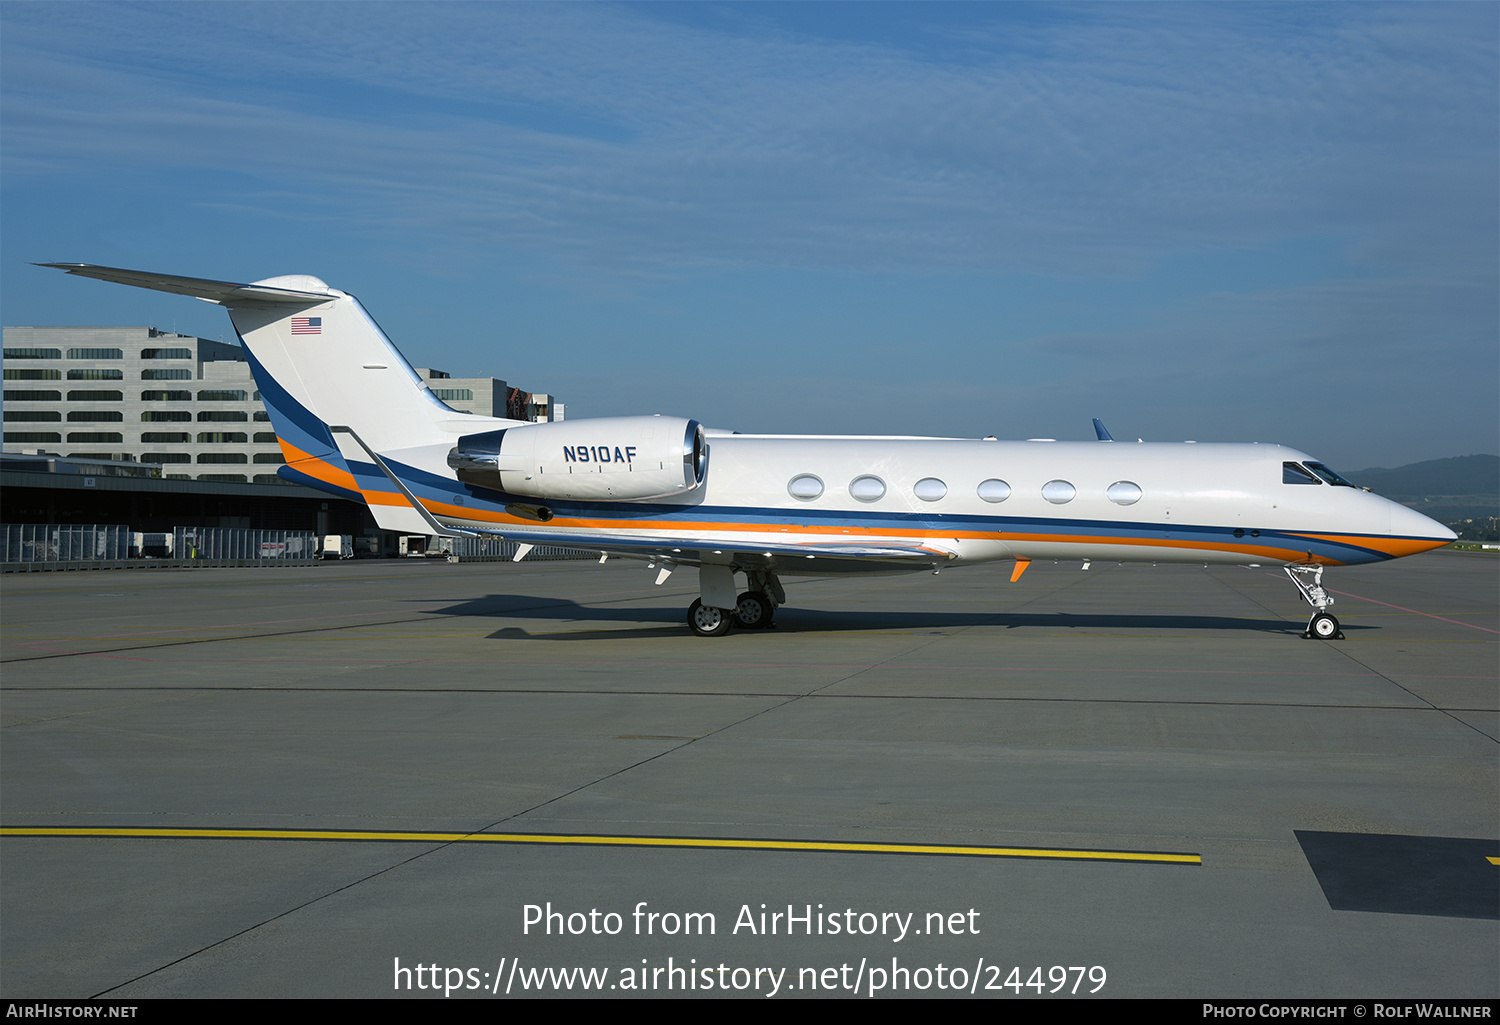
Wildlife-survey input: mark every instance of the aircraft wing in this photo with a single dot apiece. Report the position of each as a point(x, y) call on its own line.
point(833, 557)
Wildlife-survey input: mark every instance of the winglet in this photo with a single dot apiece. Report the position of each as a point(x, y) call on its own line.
point(1100, 431)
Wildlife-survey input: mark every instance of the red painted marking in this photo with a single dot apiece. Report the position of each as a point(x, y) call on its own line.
point(1416, 612)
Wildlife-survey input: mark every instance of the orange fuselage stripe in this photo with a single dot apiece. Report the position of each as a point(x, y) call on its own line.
point(698, 528)
point(321, 469)
point(1396, 547)
point(317, 467)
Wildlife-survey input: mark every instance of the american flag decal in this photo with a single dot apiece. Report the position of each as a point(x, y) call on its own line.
point(307, 325)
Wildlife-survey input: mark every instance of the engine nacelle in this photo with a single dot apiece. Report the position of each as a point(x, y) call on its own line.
point(621, 458)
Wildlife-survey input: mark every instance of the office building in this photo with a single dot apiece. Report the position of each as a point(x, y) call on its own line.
point(188, 405)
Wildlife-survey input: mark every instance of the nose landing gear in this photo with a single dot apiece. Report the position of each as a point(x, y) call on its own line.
point(1323, 626)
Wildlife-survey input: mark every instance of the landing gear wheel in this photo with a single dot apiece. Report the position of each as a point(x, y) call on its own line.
point(1324, 627)
point(707, 621)
point(753, 611)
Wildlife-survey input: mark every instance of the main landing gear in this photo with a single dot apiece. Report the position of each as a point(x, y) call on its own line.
point(708, 621)
point(754, 609)
point(1323, 626)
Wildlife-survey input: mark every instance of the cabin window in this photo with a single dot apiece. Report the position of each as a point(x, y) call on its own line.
point(1058, 492)
point(994, 490)
point(1293, 473)
point(867, 488)
point(805, 486)
point(1330, 476)
point(1124, 492)
point(930, 489)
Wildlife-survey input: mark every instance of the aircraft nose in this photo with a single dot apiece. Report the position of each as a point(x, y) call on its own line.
point(1407, 522)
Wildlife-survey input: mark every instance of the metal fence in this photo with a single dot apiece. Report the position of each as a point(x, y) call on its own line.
point(92, 546)
point(240, 544)
point(52, 542)
point(496, 549)
point(37, 545)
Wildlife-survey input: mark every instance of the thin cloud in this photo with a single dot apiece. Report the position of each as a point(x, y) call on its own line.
point(1255, 215)
point(1094, 147)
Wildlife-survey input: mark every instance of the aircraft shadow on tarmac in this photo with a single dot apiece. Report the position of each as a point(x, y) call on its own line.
point(573, 620)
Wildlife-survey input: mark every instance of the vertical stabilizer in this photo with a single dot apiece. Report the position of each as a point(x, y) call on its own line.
point(319, 362)
point(333, 361)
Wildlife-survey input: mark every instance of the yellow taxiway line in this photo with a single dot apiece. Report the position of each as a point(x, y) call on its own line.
point(587, 840)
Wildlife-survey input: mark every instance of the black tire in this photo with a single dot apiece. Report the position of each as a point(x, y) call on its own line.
point(707, 621)
point(753, 611)
point(1324, 627)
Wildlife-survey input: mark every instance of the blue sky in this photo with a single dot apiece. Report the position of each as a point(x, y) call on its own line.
point(1218, 222)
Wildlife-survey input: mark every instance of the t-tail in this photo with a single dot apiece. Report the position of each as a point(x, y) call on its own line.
point(342, 399)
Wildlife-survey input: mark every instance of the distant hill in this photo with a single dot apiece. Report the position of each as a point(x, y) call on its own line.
point(1459, 488)
point(1460, 475)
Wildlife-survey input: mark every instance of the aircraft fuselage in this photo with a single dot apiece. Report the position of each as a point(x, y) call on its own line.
point(977, 501)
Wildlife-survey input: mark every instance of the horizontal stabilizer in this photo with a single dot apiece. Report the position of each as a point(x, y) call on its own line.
point(225, 293)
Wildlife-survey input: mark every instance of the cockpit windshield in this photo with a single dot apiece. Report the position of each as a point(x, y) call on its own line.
point(1293, 473)
point(1329, 475)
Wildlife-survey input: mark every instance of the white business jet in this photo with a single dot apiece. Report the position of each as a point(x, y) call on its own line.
point(354, 419)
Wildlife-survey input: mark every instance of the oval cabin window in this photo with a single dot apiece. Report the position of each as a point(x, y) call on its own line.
point(867, 488)
point(930, 489)
point(1058, 492)
point(994, 490)
point(1124, 492)
point(805, 486)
